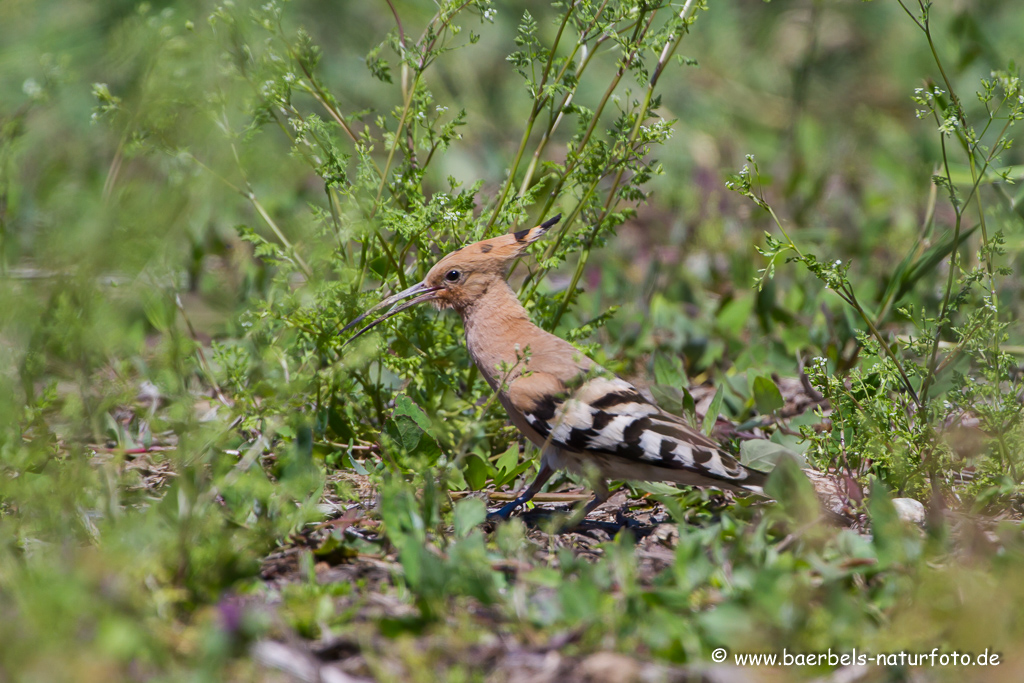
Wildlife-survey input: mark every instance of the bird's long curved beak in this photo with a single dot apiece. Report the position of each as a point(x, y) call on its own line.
point(425, 293)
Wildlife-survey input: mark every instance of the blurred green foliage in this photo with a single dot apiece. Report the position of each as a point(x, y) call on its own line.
point(195, 197)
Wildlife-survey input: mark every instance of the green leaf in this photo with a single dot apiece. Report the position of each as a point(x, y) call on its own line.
point(767, 396)
point(689, 406)
point(795, 338)
point(668, 370)
point(509, 459)
point(656, 488)
point(714, 409)
point(357, 466)
point(666, 494)
point(475, 471)
point(795, 495)
point(405, 432)
point(469, 514)
point(410, 429)
point(733, 316)
point(894, 541)
point(508, 466)
point(669, 398)
point(502, 480)
point(764, 455)
point(456, 480)
point(405, 406)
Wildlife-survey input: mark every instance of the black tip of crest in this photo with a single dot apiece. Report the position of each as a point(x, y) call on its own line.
point(551, 221)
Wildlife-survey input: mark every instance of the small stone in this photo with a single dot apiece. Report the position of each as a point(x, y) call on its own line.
point(909, 510)
point(609, 667)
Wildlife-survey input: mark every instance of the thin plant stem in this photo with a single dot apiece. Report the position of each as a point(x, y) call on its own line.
point(539, 102)
point(639, 31)
point(426, 51)
point(641, 116)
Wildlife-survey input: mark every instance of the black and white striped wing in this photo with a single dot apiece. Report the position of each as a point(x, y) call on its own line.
point(610, 418)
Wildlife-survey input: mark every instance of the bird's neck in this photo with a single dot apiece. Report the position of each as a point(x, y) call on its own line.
point(496, 324)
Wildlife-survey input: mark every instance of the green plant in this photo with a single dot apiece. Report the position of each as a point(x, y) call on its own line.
point(188, 468)
point(385, 211)
point(946, 367)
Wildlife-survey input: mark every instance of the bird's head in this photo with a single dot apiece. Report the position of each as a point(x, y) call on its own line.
point(462, 276)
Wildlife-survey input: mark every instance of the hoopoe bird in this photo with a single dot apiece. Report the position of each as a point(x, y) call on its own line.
point(581, 417)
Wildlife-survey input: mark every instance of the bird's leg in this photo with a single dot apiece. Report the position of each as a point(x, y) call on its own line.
point(600, 495)
point(542, 478)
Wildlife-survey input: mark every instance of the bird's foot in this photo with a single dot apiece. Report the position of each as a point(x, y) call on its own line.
point(503, 513)
point(625, 521)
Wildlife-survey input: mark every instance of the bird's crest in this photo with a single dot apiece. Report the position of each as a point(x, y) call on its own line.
point(498, 251)
point(446, 283)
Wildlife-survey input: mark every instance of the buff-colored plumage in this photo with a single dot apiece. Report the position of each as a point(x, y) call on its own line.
point(581, 416)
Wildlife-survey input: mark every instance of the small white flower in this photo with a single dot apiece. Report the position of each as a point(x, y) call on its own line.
point(31, 88)
point(489, 14)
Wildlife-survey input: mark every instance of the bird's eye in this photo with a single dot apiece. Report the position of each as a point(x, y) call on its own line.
point(452, 276)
